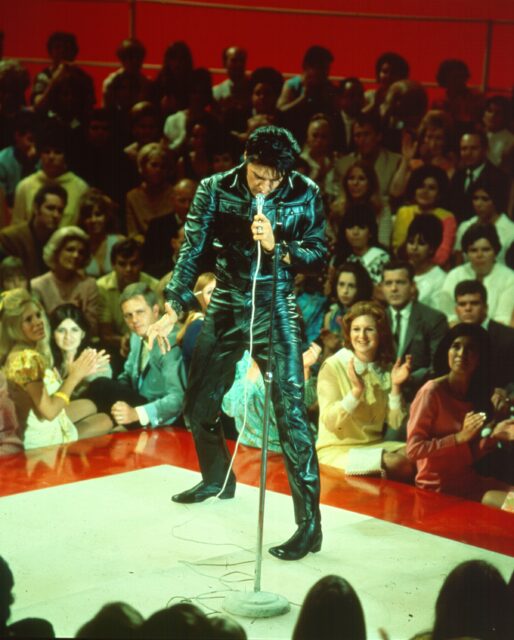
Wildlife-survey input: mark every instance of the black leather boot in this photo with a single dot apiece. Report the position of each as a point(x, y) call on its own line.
point(202, 491)
point(306, 538)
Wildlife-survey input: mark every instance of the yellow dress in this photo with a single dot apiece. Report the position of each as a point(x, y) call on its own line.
point(21, 368)
point(342, 426)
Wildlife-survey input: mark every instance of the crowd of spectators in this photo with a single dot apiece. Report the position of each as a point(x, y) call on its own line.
point(419, 198)
point(474, 601)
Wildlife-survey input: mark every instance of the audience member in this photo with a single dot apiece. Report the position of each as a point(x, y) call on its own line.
point(426, 190)
point(473, 165)
point(54, 170)
point(116, 620)
point(66, 254)
point(462, 103)
point(424, 237)
point(447, 416)
point(195, 162)
point(417, 329)
point(318, 151)
point(14, 80)
point(358, 241)
point(152, 198)
point(331, 609)
point(360, 186)
point(131, 54)
point(389, 68)
point(349, 104)
point(45, 414)
point(310, 93)
point(13, 274)
point(358, 394)
point(233, 93)
point(127, 267)
point(496, 121)
point(200, 105)
point(70, 334)
point(26, 240)
point(186, 337)
point(26, 628)
point(17, 161)
point(225, 628)
point(402, 111)
point(367, 137)
point(145, 128)
point(97, 219)
point(172, 85)
point(471, 307)
point(481, 245)
point(489, 201)
point(150, 389)
point(312, 303)
point(183, 620)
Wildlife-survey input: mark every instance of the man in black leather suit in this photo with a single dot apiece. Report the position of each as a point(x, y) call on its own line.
point(224, 217)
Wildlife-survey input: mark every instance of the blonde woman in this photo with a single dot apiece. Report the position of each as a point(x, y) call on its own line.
point(45, 413)
point(358, 392)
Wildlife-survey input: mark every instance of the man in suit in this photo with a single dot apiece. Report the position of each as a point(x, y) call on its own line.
point(26, 240)
point(471, 306)
point(417, 328)
point(150, 389)
point(349, 102)
point(473, 165)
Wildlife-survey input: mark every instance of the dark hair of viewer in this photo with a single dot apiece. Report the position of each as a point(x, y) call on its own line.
point(331, 610)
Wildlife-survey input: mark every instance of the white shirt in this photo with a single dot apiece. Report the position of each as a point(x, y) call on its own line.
point(429, 286)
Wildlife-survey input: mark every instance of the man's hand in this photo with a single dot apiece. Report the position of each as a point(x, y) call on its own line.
point(160, 330)
point(504, 430)
point(263, 232)
point(123, 413)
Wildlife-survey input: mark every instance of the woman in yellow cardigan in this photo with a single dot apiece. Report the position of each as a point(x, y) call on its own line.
point(358, 393)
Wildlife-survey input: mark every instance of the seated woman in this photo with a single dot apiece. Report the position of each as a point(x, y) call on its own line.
point(481, 245)
point(45, 414)
point(317, 151)
point(70, 335)
point(360, 186)
point(351, 284)
point(423, 239)
point(186, 337)
point(67, 255)
point(358, 393)
point(152, 198)
point(195, 162)
point(448, 414)
point(97, 219)
point(426, 190)
point(358, 242)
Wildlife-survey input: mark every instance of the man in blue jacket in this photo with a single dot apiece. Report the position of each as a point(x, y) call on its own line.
point(224, 217)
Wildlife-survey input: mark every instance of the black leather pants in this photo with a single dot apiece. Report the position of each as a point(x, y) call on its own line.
point(221, 343)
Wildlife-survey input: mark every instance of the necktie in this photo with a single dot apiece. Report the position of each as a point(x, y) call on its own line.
point(143, 357)
point(398, 330)
point(469, 179)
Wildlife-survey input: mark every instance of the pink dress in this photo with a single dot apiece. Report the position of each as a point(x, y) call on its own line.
point(443, 465)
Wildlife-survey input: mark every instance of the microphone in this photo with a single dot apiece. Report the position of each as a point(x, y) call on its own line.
point(259, 199)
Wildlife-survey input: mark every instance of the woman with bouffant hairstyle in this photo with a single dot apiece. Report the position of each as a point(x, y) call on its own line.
point(359, 392)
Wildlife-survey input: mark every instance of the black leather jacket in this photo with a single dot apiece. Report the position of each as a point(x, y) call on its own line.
point(220, 218)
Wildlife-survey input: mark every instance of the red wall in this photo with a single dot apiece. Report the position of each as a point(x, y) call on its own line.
point(275, 38)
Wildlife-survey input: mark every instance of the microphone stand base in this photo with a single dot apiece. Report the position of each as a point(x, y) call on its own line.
point(255, 604)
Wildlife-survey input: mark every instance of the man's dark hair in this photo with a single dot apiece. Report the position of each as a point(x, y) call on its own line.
point(370, 119)
point(52, 190)
point(269, 76)
point(227, 49)
point(341, 87)
point(429, 228)
point(126, 248)
point(53, 136)
point(68, 42)
point(131, 48)
point(394, 265)
point(482, 136)
point(399, 66)
point(273, 147)
point(139, 289)
point(470, 287)
point(449, 68)
point(480, 231)
point(504, 104)
point(317, 56)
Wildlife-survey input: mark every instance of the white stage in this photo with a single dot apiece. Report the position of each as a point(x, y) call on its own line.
point(75, 547)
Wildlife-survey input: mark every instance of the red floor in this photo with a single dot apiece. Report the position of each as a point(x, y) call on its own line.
point(445, 516)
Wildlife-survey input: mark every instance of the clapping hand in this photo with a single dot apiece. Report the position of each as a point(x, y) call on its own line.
point(355, 379)
point(400, 372)
point(471, 427)
point(160, 330)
